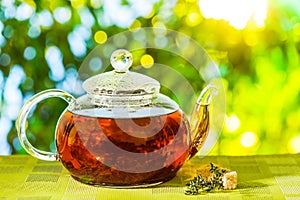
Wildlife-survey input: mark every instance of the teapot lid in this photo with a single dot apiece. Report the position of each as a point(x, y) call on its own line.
point(121, 86)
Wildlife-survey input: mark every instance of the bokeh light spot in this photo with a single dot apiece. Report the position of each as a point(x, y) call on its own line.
point(159, 25)
point(86, 17)
point(77, 3)
point(24, 12)
point(100, 37)
point(2, 41)
point(54, 60)
point(45, 18)
point(182, 42)
point(161, 41)
point(83, 32)
point(295, 145)
point(8, 31)
point(29, 53)
point(96, 3)
point(5, 59)
point(62, 14)
point(232, 123)
point(136, 24)
point(180, 9)
point(28, 83)
point(147, 61)
point(193, 19)
point(77, 43)
point(34, 31)
point(10, 9)
point(248, 139)
point(95, 64)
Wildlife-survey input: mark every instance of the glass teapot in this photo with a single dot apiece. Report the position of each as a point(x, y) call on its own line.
point(122, 132)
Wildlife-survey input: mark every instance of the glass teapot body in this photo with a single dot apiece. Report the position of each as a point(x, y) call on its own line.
point(121, 136)
point(123, 146)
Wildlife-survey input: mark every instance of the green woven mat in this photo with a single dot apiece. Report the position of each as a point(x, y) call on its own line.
point(259, 177)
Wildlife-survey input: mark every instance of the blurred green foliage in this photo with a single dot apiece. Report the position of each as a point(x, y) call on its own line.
point(259, 65)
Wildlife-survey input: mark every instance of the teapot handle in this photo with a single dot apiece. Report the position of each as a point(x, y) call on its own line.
point(22, 119)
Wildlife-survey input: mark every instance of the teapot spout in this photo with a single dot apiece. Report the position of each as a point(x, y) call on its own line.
point(200, 119)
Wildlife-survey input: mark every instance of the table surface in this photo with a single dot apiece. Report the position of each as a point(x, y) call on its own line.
point(259, 177)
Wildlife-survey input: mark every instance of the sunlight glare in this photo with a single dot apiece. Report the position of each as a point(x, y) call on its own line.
point(237, 12)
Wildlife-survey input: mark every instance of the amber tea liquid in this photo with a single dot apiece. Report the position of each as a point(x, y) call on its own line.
point(125, 151)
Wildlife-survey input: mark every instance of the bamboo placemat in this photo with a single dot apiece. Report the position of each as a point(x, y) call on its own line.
point(259, 177)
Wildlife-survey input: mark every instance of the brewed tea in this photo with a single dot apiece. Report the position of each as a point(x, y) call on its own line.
point(123, 151)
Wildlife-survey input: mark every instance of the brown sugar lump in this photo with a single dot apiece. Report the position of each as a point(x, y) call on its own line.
point(227, 176)
point(230, 180)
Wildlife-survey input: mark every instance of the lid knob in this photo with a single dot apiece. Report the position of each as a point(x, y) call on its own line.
point(121, 60)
